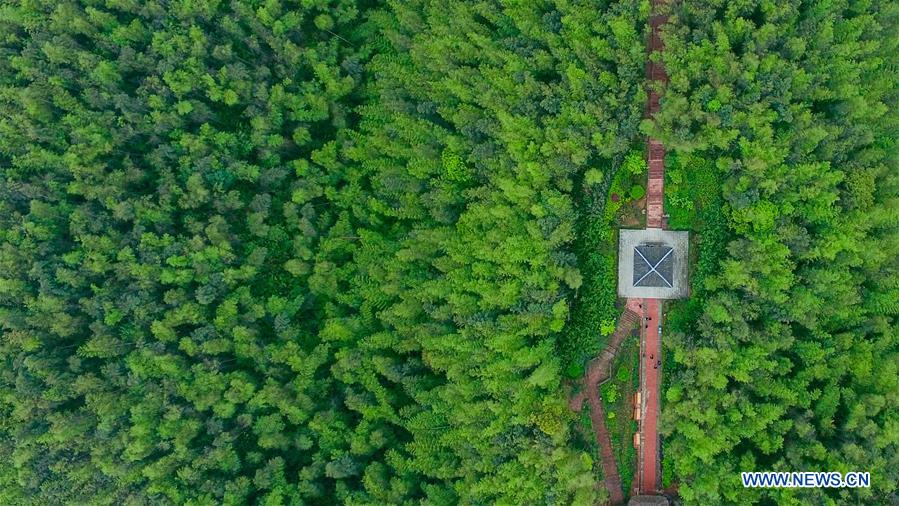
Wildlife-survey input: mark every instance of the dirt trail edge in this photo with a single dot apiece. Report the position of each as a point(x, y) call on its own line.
point(598, 371)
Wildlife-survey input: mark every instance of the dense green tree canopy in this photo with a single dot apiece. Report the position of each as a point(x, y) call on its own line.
point(327, 251)
point(297, 252)
point(160, 342)
point(792, 363)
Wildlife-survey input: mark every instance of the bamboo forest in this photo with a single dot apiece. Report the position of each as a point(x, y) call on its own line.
point(474, 252)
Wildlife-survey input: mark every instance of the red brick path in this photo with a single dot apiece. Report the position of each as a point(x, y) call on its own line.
point(598, 372)
point(649, 467)
point(648, 456)
point(655, 152)
point(648, 312)
point(655, 185)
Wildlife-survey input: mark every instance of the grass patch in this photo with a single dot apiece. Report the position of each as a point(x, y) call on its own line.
point(593, 310)
point(667, 470)
point(624, 207)
point(585, 439)
point(691, 184)
point(693, 201)
point(618, 400)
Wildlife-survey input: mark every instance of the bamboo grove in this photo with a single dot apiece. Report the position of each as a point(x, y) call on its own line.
point(326, 251)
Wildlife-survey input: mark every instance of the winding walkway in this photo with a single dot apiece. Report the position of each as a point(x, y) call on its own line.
point(598, 371)
point(645, 313)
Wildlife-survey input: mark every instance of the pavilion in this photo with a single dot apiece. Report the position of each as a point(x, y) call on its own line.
point(652, 264)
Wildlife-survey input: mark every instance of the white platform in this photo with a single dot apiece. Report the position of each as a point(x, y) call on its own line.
point(679, 243)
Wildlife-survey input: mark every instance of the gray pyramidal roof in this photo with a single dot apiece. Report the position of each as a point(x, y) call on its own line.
point(653, 265)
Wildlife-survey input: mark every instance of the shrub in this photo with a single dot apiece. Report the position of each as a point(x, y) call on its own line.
point(607, 327)
point(637, 192)
point(634, 163)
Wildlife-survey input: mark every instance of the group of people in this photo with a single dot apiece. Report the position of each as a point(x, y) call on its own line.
point(658, 362)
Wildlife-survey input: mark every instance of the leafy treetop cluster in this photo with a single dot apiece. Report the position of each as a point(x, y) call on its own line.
point(792, 361)
point(297, 252)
